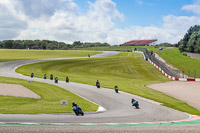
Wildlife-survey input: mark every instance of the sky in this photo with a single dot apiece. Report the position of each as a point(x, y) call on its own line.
point(110, 21)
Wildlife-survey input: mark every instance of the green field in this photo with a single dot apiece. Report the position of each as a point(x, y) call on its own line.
point(127, 70)
point(190, 66)
point(25, 54)
point(51, 95)
point(49, 103)
point(121, 48)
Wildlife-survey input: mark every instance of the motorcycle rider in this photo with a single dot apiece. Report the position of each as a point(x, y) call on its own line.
point(32, 74)
point(116, 88)
point(74, 104)
point(97, 84)
point(135, 103)
point(45, 76)
point(67, 79)
point(77, 110)
point(132, 100)
point(56, 80)
point(51, 77)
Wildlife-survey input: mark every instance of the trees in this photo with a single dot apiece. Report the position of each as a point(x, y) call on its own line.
point(165, 45)
point(46, 44)
point(31, 44)
point(8, 44)
point(191, 40)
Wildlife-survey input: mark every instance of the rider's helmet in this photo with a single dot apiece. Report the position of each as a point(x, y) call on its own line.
point(74, 104)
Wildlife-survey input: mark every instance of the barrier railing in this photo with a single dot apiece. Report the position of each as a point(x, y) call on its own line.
point(150, 55)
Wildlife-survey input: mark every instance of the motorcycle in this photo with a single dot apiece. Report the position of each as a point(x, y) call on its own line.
point(136, 104)
point(67, 79)
point(51, 77)
point(116, 89)
point(77, 110)
point(98, 85)
point(32, 74)
point(45, 76)
point(56, 80)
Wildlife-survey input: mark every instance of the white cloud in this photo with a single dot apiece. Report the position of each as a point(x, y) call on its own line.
point(68, 26)
point(11, 19)
point(38, 8)
point(195, 8)
point(139, 2)
point(172, 30)
point(104, 9)
point(64, 23)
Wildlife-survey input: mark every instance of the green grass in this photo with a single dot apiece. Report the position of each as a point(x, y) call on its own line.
point(183, 63)
point(127, 70)
point(24, 54)
point(51, 95)
point(49, 103)
point(115, 48)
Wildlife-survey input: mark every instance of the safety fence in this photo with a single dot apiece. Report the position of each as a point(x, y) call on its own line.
point(168, 70)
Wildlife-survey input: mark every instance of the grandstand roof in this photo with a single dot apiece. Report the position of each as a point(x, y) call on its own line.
point(138, 42)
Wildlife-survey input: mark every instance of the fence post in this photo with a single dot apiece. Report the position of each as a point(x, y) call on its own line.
point(178, 73)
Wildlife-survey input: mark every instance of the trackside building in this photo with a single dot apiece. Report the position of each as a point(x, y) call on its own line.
point(139, 43)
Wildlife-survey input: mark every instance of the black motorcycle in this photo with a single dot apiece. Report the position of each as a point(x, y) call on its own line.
point(45, 76)
point(51, 77)
point(32, 75)
point(136, 104)
point(77, 110)
point(56, 80)
point(116, 89)
point(67, 79)
point(98, 85)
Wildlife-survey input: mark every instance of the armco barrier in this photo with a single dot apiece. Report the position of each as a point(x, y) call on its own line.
point(163, 68)
point(171, 77)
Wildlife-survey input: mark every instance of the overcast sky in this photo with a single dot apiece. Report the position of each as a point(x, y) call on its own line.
point(111, 21)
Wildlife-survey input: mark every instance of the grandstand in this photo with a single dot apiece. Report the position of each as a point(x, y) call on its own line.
point(139, 43)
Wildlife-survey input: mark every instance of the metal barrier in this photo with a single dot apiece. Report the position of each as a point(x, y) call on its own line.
point(170, 71)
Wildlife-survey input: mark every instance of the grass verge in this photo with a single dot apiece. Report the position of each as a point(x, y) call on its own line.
point(49, 103)
point(189, 65)
point(127, 70)
point(25, 54)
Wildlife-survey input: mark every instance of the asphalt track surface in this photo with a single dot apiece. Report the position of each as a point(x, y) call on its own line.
point(118, 106)
point(167, 129)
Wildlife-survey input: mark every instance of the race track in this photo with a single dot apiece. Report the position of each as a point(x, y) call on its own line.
point(118, 106)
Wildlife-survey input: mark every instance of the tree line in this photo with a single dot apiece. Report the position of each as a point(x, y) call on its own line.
point(47, 44)
point(191, 40)
point(165, 45)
